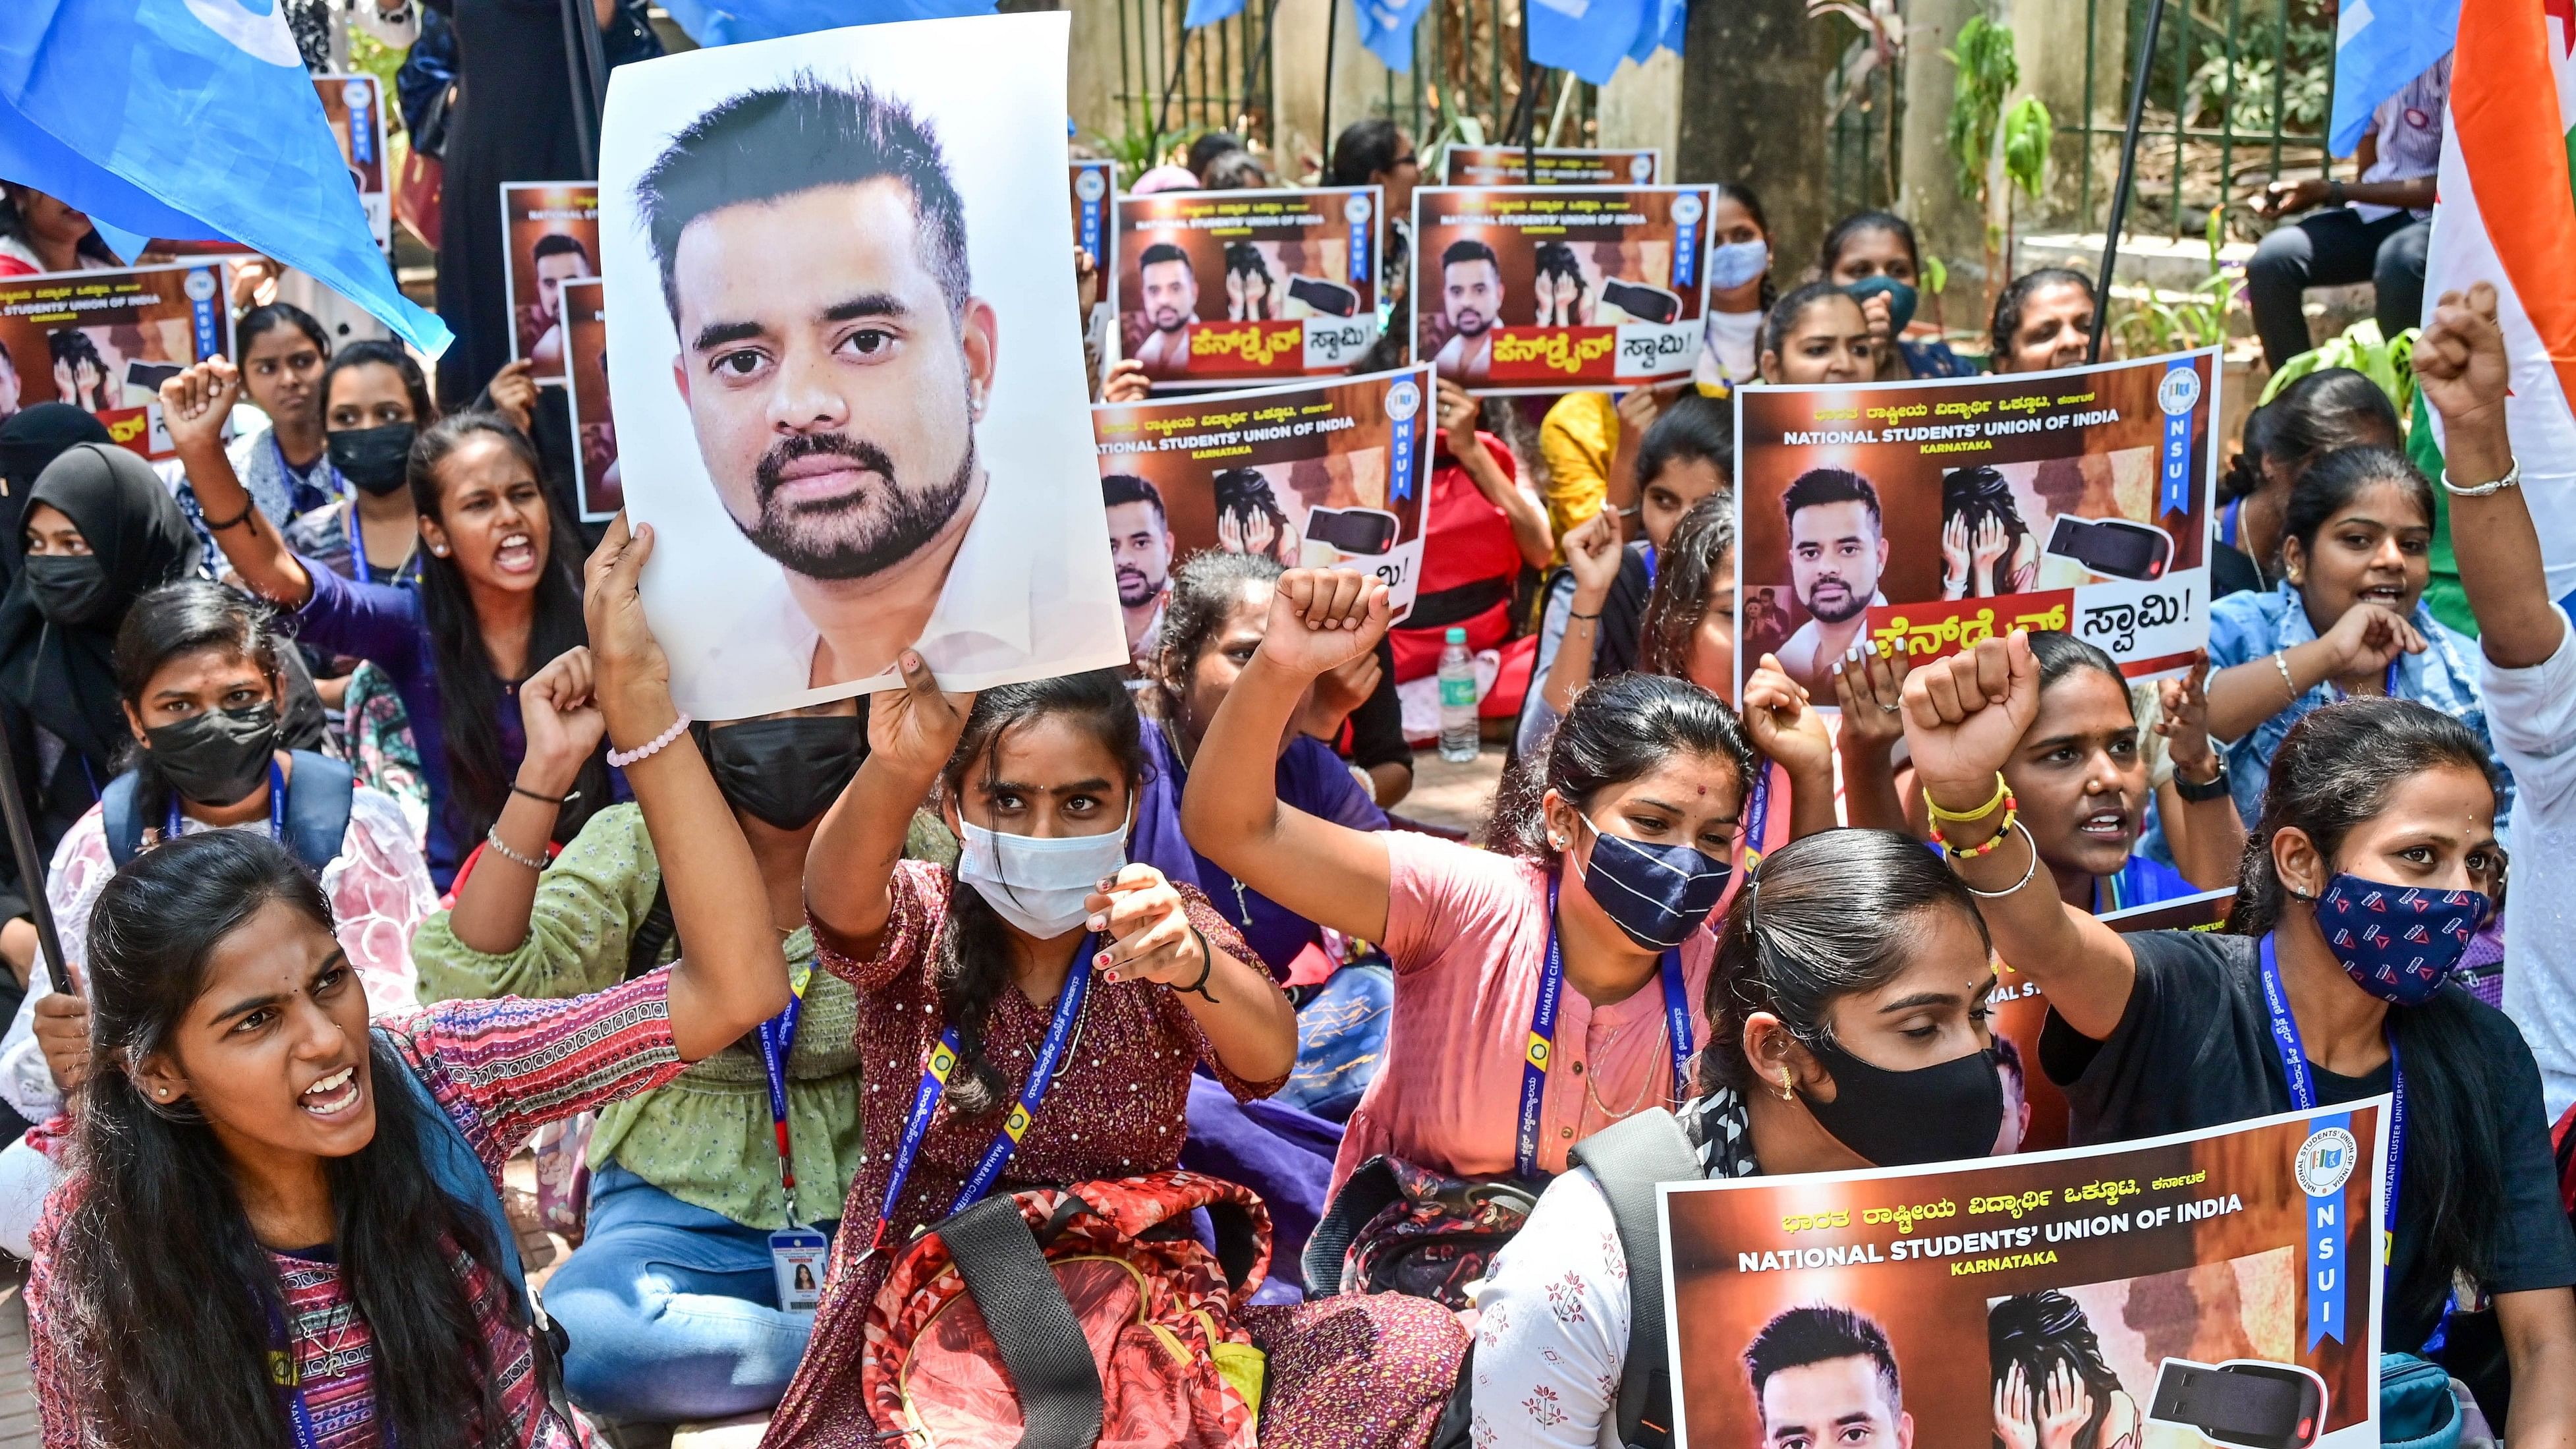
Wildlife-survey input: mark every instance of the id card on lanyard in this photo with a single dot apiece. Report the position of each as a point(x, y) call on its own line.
point(796, 1253)
point(1541, 1051)
point(276, 808)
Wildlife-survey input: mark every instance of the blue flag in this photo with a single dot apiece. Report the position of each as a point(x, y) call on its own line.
point(730, 22)
point(193, 120)
point(2378, 49)
point(1662, 30)
point(1386, 28)
point(1209, 12)
point(1588, 37)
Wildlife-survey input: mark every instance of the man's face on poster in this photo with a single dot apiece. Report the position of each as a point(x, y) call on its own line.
point(552, 272)
point(1840, 1403)
point(1140, 549)
point(1171, 295)
point(833, 394)
point(1470, 292)
point(1835, 554)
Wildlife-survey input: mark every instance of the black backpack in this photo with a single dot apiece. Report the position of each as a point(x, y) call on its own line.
point(317, 811)
point(1628, 1159)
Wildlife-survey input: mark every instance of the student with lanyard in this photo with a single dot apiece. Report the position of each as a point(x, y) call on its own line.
point(703, 1190)
point(1583, 932)
point(497, 598)
point(2299, 1008)
point(375, 402)
point(284, 1222)
point(2348, 619)
point(1847, 1029)
point(1048, 970)
point(287, 464)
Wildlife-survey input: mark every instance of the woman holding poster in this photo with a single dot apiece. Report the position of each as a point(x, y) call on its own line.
point(2378, 813)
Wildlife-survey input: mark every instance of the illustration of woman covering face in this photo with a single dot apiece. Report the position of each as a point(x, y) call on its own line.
point(1563, 296)
point(2052, 1388)
point(1251, 295)
point(1986, 548)
point(1249, 518)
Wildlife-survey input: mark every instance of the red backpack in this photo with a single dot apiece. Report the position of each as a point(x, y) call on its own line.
point(1074, 1316)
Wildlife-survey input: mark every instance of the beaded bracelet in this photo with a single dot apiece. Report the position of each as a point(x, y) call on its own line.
point(2012, 817)
point(622, 759)
point(2002, 796)
point(493, 839)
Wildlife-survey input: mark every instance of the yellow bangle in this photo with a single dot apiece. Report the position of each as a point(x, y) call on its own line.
point(1980, 813)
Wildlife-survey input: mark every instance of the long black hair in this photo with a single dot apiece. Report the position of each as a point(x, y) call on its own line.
point(183, 618)
point(1820, 918)
point(1978, 492)
point(2332, 774)
point(2039, 1332)
point(160, 1298)
point(1860, 224)
point(2329, 409)
point(1619, 729)
point(470, 693)
point(973, 968)
point(1702, 543)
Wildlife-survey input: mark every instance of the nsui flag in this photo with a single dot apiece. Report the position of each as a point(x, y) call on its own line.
point(2506, 214)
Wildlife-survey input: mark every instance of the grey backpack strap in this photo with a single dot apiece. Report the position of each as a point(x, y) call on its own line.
point(1628, 1160)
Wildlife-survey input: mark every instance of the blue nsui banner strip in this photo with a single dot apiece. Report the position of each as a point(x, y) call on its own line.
point(1357, 209)
point(1688, 208)
point(2179, 396)
point(2326, 1269)
point(360, 99)
point(1404, 409)
point(1091, 188)
point(205, 289)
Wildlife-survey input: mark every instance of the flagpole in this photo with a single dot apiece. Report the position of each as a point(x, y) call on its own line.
point(1332, 36)
point(31, 866)
point(2128, 174)
point(585, 77)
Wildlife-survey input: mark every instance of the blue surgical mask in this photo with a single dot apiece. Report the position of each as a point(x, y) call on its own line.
point(1735, 263)
point(1658, 894)
point(1901, 299)
point(2399, 943)
point(1038, 884)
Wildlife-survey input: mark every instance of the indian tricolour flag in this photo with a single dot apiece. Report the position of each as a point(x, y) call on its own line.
point(2506, 214)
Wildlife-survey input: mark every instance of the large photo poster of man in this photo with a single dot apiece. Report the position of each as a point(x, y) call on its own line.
point(2215, 1287)
point(1327, 476)
point(1213, 287)
point(1465, 165)
point(1547, 289)
point(1930, 515)
point(839, 350)
point(549, 236)
point(105, 342)
point(355, 107)
point(595, 477)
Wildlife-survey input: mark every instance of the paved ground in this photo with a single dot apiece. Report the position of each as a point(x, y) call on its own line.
point(1456, 796)
point(18, 1429)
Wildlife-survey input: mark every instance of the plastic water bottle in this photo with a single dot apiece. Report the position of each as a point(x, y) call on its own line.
point(1457, 700)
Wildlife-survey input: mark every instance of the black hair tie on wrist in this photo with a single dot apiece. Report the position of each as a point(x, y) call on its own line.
point(1207, 968)
point(557, 801)
point(236, 521)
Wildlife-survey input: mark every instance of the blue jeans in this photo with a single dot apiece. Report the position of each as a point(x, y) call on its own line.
point(671, 1310)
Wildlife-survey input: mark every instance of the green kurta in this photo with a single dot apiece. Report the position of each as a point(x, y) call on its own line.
point(706, 1139)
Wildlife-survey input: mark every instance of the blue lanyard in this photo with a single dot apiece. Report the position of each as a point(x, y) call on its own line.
point(286, 1375)
point(1650, 564)
point(295, 477)
point(1542, 1039)
point(358, 551)
point(777, 1039)
point(1757, 813)
point(276, 807)
point(934, 1085)
point(2389, 688)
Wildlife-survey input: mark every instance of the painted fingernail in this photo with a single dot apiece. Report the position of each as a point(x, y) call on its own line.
point(1107, 881)
point(1101, 960)
point(1113, 978)
point(1096, 923)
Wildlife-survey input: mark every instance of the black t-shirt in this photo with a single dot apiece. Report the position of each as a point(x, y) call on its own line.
point(2233, 571)
point(2194, 1050)
point(1377, 726)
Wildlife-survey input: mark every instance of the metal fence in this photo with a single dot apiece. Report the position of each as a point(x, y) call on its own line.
point(1214, 78)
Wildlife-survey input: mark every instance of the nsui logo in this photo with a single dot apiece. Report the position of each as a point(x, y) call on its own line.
point(1686, 208)
point(2325, 1162)
point(1356, 209)
point(2179, 390)
point(1089, 185)
point(1403, 400)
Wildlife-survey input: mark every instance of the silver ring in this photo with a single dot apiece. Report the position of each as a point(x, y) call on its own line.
point(1891, 708)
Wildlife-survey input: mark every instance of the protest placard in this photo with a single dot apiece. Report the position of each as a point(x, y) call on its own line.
point(1929, 515)
point(839, 348)
point(595, 479)
point(355, 107)
point(105, 341)
point(1246, 286)
point(1464, 165)
point(549, 236)
point(1315, 476)
point(1095, 197)
point(1520, 289)
point(2222, 1283)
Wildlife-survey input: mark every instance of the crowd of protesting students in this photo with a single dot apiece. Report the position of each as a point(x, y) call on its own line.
point(378, 849)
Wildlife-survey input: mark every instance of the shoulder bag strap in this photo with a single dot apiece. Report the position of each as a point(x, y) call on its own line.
point(644, 948)
point(124, 826)
point(1033, 1327)
point(317, 808)
point(1628, 1160)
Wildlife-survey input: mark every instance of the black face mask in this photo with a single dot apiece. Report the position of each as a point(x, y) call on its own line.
point(68, 588)
point(373, 458)
point(786, 771)
point(218, 757)
point(1942, 1113)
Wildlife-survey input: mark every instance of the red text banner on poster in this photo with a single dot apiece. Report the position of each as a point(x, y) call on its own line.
point(2224, 1280)
point(1932, 631)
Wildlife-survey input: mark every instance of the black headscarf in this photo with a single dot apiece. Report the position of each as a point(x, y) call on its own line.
point(29, 440)
point(64, 676)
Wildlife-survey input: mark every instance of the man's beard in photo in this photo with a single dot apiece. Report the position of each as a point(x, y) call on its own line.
point(1170, 319)
point(1134, 590)
point(887, 522)
point(1853, 603)
point(1470, 323)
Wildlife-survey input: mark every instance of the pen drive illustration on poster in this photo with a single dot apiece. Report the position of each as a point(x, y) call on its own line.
point(1548, 289)
point(1930, 515)
point(2214, 1287)
point(1215, 287)
point(1464, 165)
point(105, 342)
point(549, 236)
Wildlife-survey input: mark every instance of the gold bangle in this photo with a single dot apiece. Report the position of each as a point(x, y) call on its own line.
point(1981, 812)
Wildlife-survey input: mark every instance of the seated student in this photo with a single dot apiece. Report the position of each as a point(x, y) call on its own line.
point(2328, 409)
point(496, 599)
point(1614, 847)
point(1479, 530)
point(1818, 334)
point(375, 402)
point(1872, 256)
point(2171, 1031)
point(670, 1300)
point(2043, 320)
point(259, 1169)
point(1847, 1028)
point(2347, 620)
point(197, 669)
point(1688, 455)
point(1046, 927)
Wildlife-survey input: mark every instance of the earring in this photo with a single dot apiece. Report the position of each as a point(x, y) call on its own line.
point(1788, 1085)
point(439, 549)
point(162, 1092)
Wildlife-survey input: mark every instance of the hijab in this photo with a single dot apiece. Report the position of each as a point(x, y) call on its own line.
point(64, 676)
point(29, 440)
